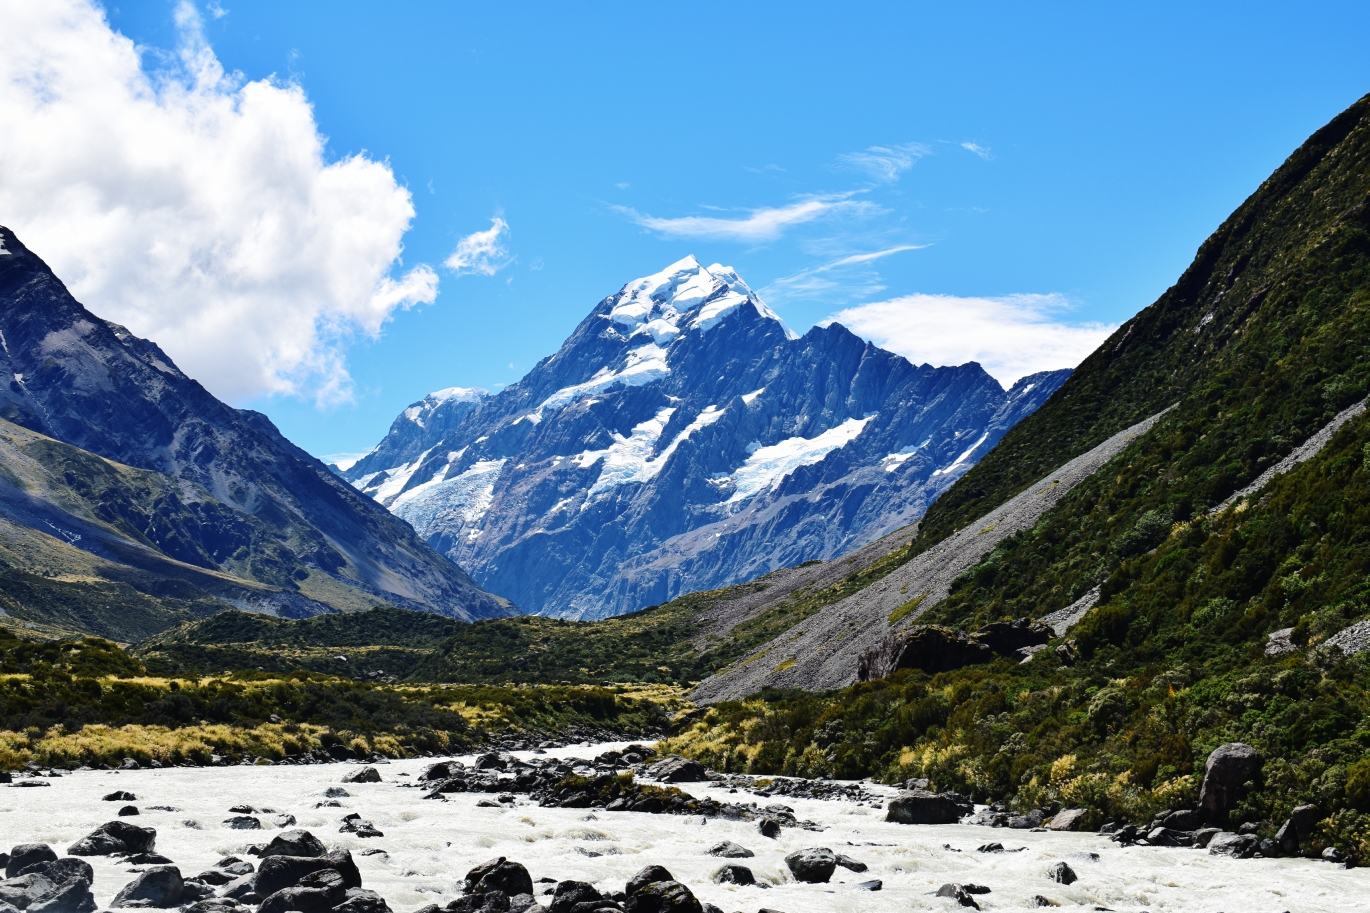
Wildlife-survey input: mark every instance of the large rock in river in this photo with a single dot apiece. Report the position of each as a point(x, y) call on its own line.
point(115, 837)
point(676, 769)
point(814, 865)
point(27, 854)
point(1230, 767)
point(279, 872)
point(922, 806)
point(156, 886)
point(295, 842)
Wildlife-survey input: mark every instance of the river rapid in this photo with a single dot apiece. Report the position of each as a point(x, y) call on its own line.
point(428, 845)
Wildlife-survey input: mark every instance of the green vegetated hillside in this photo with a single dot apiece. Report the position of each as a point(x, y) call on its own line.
point(71, 701)
point(1260, 343)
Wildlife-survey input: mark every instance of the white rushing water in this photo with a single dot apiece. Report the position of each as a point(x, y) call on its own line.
point(430, 845)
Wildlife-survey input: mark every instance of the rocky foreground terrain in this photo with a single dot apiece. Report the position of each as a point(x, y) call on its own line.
point(609, 827)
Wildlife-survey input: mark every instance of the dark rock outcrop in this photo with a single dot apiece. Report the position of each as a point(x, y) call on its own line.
point(1229, 768)
point(927, 647)
point(71, 896)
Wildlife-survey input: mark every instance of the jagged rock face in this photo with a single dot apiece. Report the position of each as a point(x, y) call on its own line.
point(241, 499)
point(683, 439)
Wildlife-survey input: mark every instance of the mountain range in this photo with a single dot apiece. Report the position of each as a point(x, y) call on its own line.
point(683, 439)
point(132, 499)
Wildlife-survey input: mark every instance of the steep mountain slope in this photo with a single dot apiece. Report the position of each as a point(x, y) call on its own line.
point(143, 467)
point(684, 439)
point(1194, 599)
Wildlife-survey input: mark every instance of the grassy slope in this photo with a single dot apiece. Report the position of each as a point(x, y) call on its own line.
point(1171, 662)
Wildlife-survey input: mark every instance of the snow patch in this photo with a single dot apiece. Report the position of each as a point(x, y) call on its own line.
point(749, 398)
point(398, 477)
point(766, 467)
point(964, 456)
point(894, 460)
point(645, 365)
point(628, 459)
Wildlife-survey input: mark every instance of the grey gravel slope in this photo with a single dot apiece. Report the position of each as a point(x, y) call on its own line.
point(821, 652)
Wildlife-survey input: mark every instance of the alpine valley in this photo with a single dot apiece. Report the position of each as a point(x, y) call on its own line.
point(683, 439)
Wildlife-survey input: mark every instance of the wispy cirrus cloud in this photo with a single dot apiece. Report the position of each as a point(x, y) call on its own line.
point(982, 151)
point(845, 278)
point(885, 163)
point(482, 253)
point(757, 225)
point(1010, 336)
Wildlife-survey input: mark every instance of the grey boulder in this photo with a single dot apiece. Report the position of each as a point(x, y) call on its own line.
point(27, 854)
point(648, 875)
point(367, 774)
point(499, 875)
point(23, 890)
point(1068, 819)
point(59, 871)
point(922, 806)
point(729, 850)
point(734, 874)
point(1061, 873)
point(295, 842)
point(71, 896)
point(360, 900)
point(663, 897)
point(1227, 772)
point(1238, 846)
point(115, 837)
point(675, 769)
point(158, 886)
point(279, 872)
point(814, 865)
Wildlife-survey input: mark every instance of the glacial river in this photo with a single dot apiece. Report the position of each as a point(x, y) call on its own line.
point(429, 845)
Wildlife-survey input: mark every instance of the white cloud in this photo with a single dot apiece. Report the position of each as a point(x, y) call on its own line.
point(482, 253)
point(886, 163)
point(982, 151)
point(1010, 336)
point(817, 281)
point(194, 207)
point(757, 226)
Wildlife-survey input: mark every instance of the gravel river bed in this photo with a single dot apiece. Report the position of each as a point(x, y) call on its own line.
point(428, 846)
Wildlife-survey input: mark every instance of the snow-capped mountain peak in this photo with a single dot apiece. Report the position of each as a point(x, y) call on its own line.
point(683, 438)
point(684, 295)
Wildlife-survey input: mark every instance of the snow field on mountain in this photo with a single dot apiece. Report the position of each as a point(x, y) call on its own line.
point(429, 846)
point(765, 467)
point(461, 501)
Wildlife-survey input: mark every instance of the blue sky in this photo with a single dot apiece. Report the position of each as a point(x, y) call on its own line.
point(1065, 161)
